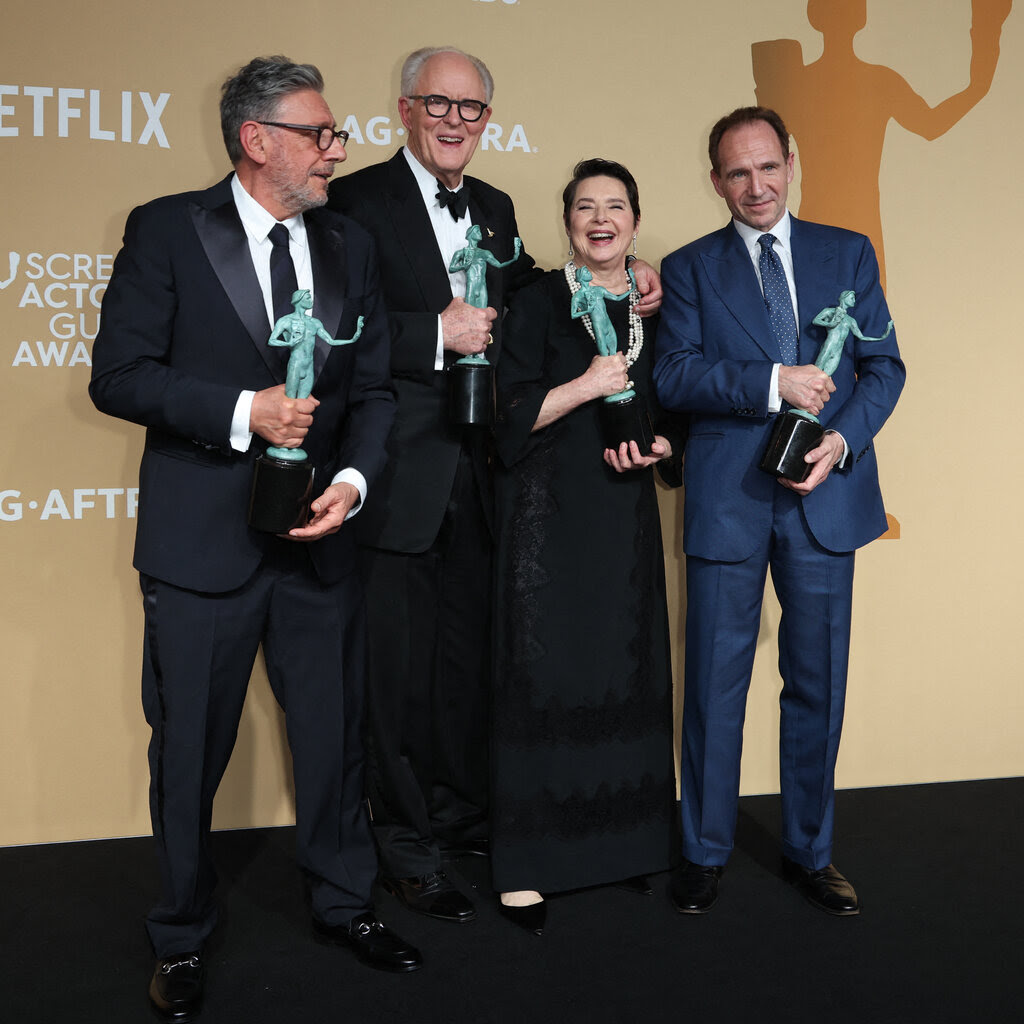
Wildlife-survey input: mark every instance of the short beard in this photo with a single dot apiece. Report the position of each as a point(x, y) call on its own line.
point(298, 198)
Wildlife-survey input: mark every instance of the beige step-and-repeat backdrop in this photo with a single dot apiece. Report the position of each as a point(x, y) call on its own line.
point(909, 133)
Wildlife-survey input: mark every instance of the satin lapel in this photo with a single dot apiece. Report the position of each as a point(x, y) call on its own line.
point(223, 239)
point(328, 255)
point(416, 236)
point(731, 274)
point(816, 267)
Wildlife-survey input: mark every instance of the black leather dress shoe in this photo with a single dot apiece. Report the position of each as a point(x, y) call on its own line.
point(176, 989)
point(372, 942)
point(531, 918)
point(694, 888)
point(637, 885)
point(433, 895)
point(825, 888)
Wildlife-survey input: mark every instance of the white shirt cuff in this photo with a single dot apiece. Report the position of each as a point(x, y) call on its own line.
point(439, 352)
point(774, 402)
point(241, 435)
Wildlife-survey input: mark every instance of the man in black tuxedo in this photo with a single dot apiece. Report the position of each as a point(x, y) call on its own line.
point(426, 531)
point(182, 349)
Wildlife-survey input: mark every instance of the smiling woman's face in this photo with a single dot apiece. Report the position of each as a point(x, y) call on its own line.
point(601, 223)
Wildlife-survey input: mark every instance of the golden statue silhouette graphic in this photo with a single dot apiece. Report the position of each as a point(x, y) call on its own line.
point(839, 107)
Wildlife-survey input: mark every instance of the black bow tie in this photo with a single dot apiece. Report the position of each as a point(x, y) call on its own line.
point(456, 202)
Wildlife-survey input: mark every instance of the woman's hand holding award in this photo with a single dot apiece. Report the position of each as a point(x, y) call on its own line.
point(624, 415)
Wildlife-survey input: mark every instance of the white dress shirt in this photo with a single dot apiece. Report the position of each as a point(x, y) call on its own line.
point(450, 235)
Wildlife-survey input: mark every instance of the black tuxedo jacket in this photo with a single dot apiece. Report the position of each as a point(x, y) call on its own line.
point(405, 509)
point(183, 330)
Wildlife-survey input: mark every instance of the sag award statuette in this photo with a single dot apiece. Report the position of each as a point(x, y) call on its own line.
point(282, 483)
point(796, 432)
point(470, 379)
point(624, 415)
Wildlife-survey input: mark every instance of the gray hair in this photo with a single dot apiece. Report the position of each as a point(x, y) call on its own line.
point(413, 67)
point(254, 92)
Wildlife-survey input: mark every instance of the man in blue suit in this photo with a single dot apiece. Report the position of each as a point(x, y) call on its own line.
point(736, 346)
point(182, 350)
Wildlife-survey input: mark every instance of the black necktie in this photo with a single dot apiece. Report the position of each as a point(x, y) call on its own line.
point(777, 299)
point(283, 283)
point(456, 202)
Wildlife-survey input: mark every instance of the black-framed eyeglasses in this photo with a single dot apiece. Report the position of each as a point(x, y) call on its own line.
point(438, 106)
point(324, 136)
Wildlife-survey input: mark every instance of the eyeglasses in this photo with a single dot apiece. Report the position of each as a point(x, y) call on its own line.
point(324, 136)
point(438, 106)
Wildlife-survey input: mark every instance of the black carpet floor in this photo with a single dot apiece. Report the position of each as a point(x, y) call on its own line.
point(939, 940)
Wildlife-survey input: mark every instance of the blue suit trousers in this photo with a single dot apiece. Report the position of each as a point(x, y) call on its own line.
point(814, 588)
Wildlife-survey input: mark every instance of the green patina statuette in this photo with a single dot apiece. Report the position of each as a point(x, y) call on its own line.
point(590, 301)
point(474, 261)
point(299, 332)
point(839, 323)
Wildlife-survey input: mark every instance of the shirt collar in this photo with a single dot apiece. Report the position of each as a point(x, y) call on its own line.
point(425, 180)
point(750, 235)
point(258, 222)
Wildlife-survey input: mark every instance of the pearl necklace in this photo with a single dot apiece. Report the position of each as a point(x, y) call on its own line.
point(636, 324)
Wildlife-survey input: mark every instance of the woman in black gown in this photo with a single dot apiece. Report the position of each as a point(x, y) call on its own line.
point(583, 785)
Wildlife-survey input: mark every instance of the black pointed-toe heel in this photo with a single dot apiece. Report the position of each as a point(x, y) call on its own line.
point(531, 918)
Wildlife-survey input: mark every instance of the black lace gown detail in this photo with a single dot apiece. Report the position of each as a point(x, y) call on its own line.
point(584, 787)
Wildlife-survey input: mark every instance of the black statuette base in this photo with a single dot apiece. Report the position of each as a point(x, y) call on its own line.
point(627, 420)
point(281, 493)
point(793, 436)
point(471, 394)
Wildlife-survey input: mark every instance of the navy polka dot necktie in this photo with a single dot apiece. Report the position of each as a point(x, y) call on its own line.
point(777, 299)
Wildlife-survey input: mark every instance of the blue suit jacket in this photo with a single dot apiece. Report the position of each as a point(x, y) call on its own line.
point(715, 351)
point(183, 330)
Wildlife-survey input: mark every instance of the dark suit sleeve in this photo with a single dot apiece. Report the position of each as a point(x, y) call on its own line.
point(133, 376)
point(673, 426)
point(370, 404)
point(521, 381)
point(690, 374)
